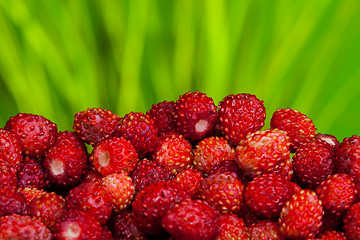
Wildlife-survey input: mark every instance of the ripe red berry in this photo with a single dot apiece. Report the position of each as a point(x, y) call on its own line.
point(232, 227)
point(125, 228)
point(35, 133)
point(114, 155)
point(239, 115)
point(230, 167)
point(298, 126)
point(189, 180)
point(266, 230)
point(95, 124)
point(352, 222)
point(32, 174)
point(195, 115)
point(10, 149)
point(12, 201)
point(328, 138)
point(162, 114)
point(263, 152)
point(8, 175)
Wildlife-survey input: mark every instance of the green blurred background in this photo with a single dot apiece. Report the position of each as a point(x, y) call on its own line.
point(59, 57)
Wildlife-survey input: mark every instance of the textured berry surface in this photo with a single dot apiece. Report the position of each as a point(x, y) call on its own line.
point(10, 149)
point(162, 114)
point(189, 180)
point(8, 175)
point(239, 115)
point(12, 201)
point(352, 222)
point(266, 230)
point(32, 174)
point(125, 228)
point(231, 227)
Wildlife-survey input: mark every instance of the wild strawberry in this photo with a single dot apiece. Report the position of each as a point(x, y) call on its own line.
point(298, 126)
point(162, 114)
point(125, 228)
point(262, 152)
point(337, 193)
point(195, 115)
point(120, 188)
point(301, 216)
point(313, 162)
point(267, 194)
point(231, 227)
point(92, 175)
point(12, 201)
point(331, 235)
point(32, 174)
point(66, 162)
point(114, 155)
point(47, 208)
point(152, 202)
point(77, 225)
point(147, 172)
point(328, 138)
point(230, 167)
point(239, 115)
point(286, 169)
point(222, 191)
point(348, 157)
point(30, 193)
point(175, 153)
point(35, 133)
point(266, 230)
point(189, 180)
point(140, 130)
point(8, 175)
point(10, 149)
point(191, 219)
point(211, 151)
point(18, 227)
point(95, 124)
point(91, 197)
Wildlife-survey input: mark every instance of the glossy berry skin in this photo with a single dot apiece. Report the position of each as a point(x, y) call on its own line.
point(210, 151)
point(35, 133)
point(18, 227)
point(328, 138)
point(12, 201)
point(266, 230)
point(8, 175)
point(301, 216)
point(267, 194)
point(91, 197)
point(352, 222)
point(32, 174)
point(239, 115)
point(231, 227)
point(189, 180)
point(191, 219)
point(222, 191)
point(313, 162)
point(10, 149)
point(66, 162)
point(152, 202)
point(140, 130)
point(95, 124)
point(125, 228)
point(195, 115)
point(230, 167)
point(162, 114)
point(337, 193)
point(114, 155)
point(298, 126)
point(262, 152)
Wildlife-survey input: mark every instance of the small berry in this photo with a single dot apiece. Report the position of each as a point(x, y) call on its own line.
point(32, 174)
point(12, 201)
point(232, 227)
point(328, 138)
point(266, 230)
point(189, 180)
point(162, 114)
point(352, 222)
point(10, 149)
point(8, 175)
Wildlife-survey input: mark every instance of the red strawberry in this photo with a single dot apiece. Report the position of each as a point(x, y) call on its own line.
point(331, 235)
point(314, 161)
point(231, 227)
point(191, 219)
point(140, 130)
point(352, 222)
point(106, 234)
point(147, 172)
point(298, 126)
point(330, 139)
point(120, 188)
point(12, 201)
point(189, 180)
point(32, 174)
point(19, 227)
point(10, 149)
point(91, 197)
point(29, 193)
point(266, 230)
point(114, 155)
point(263, 152)
point(337, 193)
point(35, 133)
point(239, 115)
point(8, 175)
point(195, 115)
point(175, 153)
point(77, 225)
point(162, 114)
point(66, 162)
point(211, 151)
point(301, 216)
point(151, 204)
point(125, 228)
point(47, 208)
point(95, 124)
point(348, 157)
point(230, 167)
point(267, 194)
point(222, 191)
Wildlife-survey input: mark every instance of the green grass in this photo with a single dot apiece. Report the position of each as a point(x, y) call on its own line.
point(61, 57)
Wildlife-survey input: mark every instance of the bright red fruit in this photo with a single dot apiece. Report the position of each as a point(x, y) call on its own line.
point(195, 115)
point(266, 230)
point(162, 114)
point(231, 227)
point(35, 133)
point(8, 175)
point(189, 180)
point(32, 174)
point(95, 124)
point(114, 155)
point(10, 149)
point(239, 115)
point(298, 126)
point(230, 167)
point(352, 222)
point(12, 201)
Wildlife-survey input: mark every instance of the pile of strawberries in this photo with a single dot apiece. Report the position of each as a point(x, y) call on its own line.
point(187, 169)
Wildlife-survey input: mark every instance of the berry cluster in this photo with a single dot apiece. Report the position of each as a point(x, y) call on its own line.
point(187, 169)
